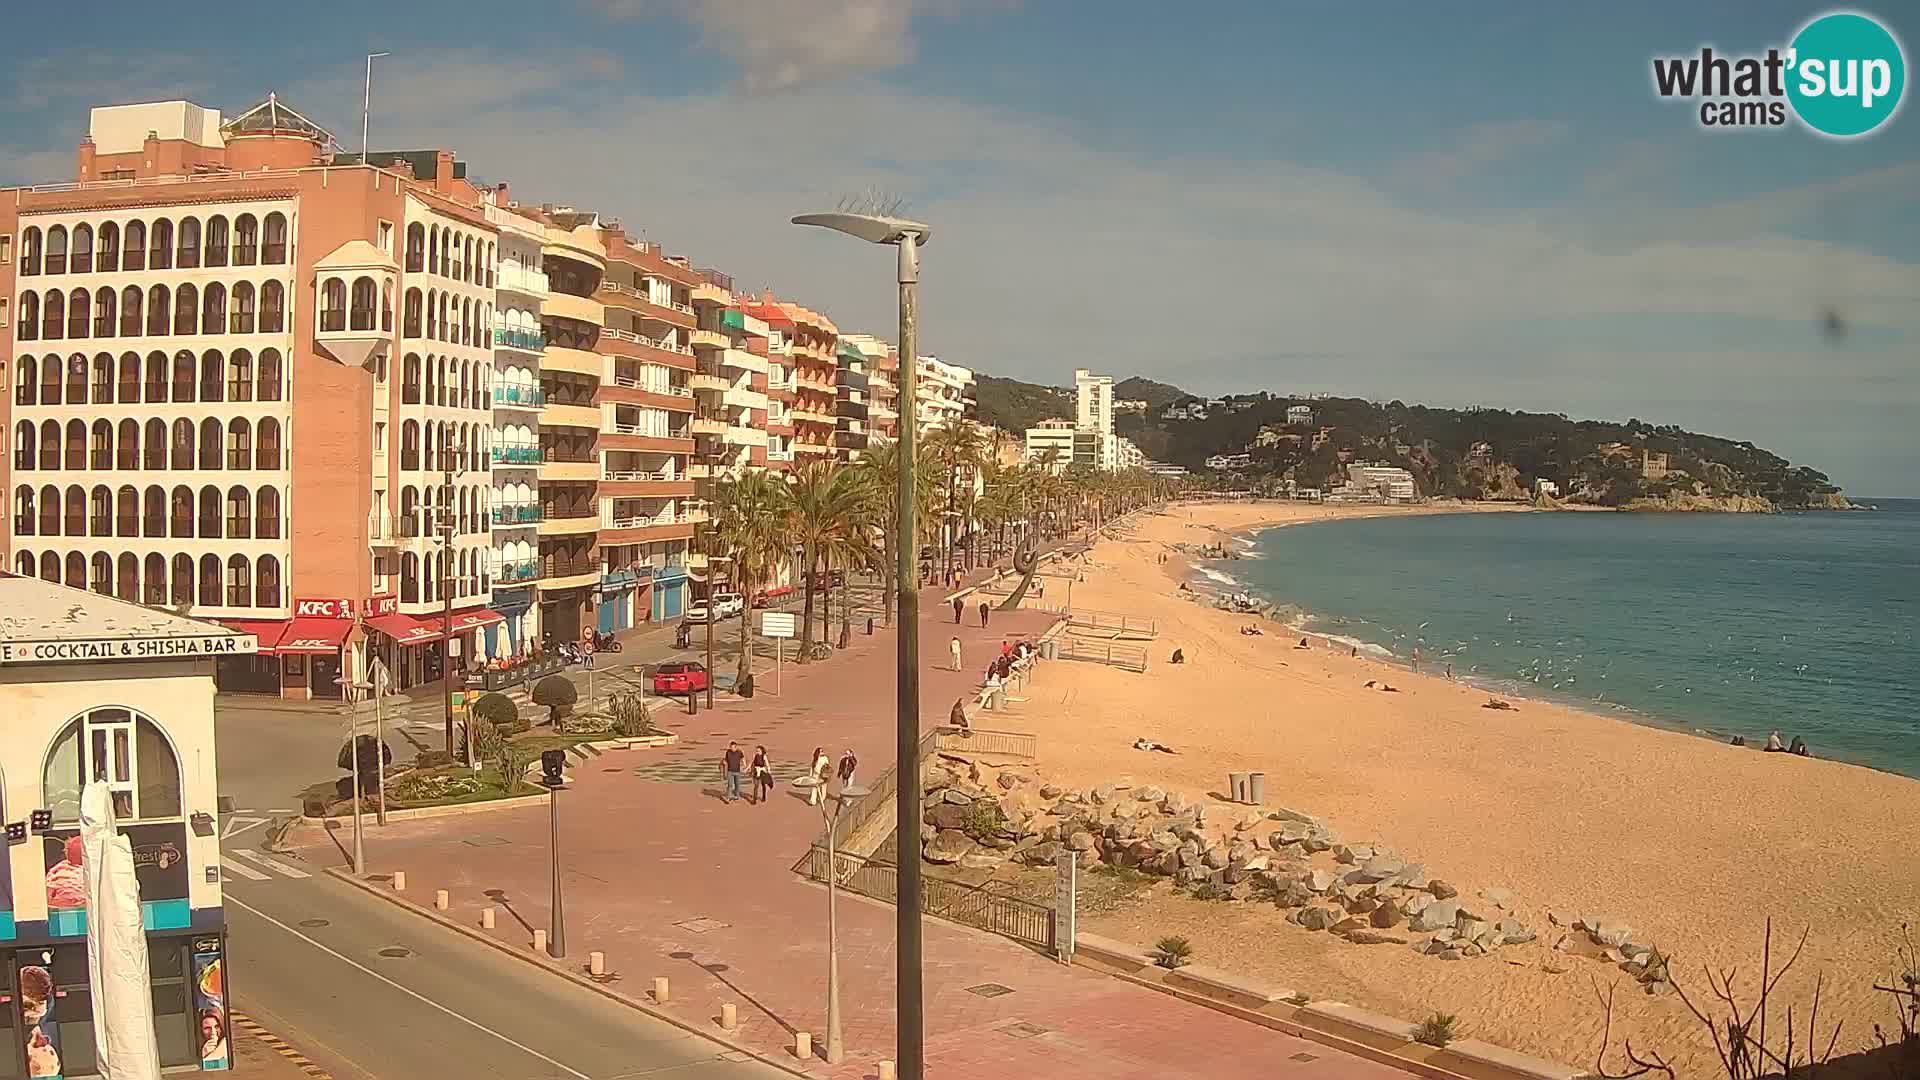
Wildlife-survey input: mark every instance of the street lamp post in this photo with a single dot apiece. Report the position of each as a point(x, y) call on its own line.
point(907, 236)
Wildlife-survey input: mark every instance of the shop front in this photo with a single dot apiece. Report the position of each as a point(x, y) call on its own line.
point(564, 613)
point(414, 647)
point(98, 691)
point(301, 658)
point(624, 600)
point(518, 628)
point(669, 593)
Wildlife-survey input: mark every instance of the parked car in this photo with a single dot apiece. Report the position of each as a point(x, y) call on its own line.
point(679, 677)
point(767, 596)
point(728, 605)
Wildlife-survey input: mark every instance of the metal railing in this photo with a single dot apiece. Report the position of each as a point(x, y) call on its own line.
point(532, 341)
point(642, 339)
point(1131, 657)
point(516, 515)
point(969, 905)
point(516, 455)
point(1018, 744)
point(640, 474)
point(519, 571)
point(519, 395)
point(1112, 622)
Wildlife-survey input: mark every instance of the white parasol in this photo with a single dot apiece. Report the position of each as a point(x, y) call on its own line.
point(116, 946)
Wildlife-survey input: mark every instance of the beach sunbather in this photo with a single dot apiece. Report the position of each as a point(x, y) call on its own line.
point(1178, 657)
point(1149, 744)
point(1774, 745)
point(1799, 747)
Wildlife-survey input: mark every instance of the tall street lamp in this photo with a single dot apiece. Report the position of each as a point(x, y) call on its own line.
point(907, 236)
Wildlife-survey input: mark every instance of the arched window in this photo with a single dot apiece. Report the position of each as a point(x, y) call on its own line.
point(409, 445)
point(182, 443)
point(53, 315)
point(76, 445)
point(365, 296)
point(122, 748)
point(216, 241)
point(239, 444)
point(50, 513)
point(416, 248)
point(128, 392)
point(386, 307)
point(409, 578)
point(23, 512)
point(127, 581)
point(26, 372)
point(273, 308)
point(180, 519)
point(467, 265)
point(100, 446)
point(180, 576)
point(57, 250)
point(243, 320)
point(29, 328)
point(266, 514)
point(106, 306)
point(153, 583)
point(270, 377)
point(189, 255)
point(240, 376)
point(153, 514)
point(213, 306)
point(185, 367)
point(127, 454)
point(109, 247)
point(130, 309)
point(155, 391)
point(102, 393)
point(25, 439)
point(239, 513)
point(49, 567)
point(30, 250)
point(210, 443)
point(50, 455)
point(76, 379)
point(101, 580)
point(239, 582)
point(126, 511)
point(246, 240)
point(159, 309)
point(433, 250)
point(213, 373)
point(136, 245)
point(186, 308)
point(209, 526)
point(154, 455)
point(333, 304)
point(210, 575)
point(160, 246)
point(410, 320)
point(76, 507)
point(24, 564)
point(83, 249)
point(100, 511)
point(266, 582)
point(266, 451)
point(273, 247)
point(79, 314)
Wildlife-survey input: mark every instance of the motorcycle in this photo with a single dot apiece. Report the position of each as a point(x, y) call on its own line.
point(570, 653)
point(605, 642)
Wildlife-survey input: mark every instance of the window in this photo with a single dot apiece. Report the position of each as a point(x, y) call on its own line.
point(246, 240)
point(270, 378)
point(136, 245)
point(160, 249)
point(132, 303)
point(240, 376)
point(127, 751)
point(188, 256)
point(3, 312)
point(365, 296)
point(6, 248)
point(267, 449)
point(416, 249)
point(30, 250)
point(274, 246)
point(333, 305)
point(273, 307)
point(386, 237)
point(186, 309)
point(57, 250)
point(243, 319)
point(267, 518)
point(29, 316)
point(109, 247)
point(266, 590)
point(105, 312)
point(216, 241)
point(83, 249)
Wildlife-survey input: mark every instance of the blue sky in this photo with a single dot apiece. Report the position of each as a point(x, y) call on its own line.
point(1485, 204)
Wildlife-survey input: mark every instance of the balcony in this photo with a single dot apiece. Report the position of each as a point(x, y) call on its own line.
point(576, 416)
point(525, 340)
point(811, 416)
point(514, 573)
point(804, 448)
point(742, 360)
point(560, 521)
point(578, 308)
point(641, 484)
point(710, 339)
point(558, 573)
point(626, 390)
point(635, 437)
point(519, 397)
point(745, 397)
point(708, 293)
point(555, 470)
point(709, 425)
point(525, 514)
point(628, 298)
point(510, 456)
point(514, 277)
point(743, 435)
point(618, 342)
point(701, 380)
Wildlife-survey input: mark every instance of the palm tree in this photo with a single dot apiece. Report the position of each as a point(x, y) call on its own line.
point(877, 474)
point(748, 527)
point(958, 448)
point(821, 509)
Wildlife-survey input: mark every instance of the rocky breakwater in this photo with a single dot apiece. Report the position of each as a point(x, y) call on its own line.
point(1362, 892)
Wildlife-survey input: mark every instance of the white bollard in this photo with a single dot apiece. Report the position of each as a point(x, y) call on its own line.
point(729, 1016)
point(886, 1070)
point(399, 881)
point(440, 899)
point(802, 1045)
point(539, 941)
point(596, 963)
point(661, 993)
point(486, 918)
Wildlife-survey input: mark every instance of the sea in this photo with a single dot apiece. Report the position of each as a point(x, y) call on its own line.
point(1716, 624)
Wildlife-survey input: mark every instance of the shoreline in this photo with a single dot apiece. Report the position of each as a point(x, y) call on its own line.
point(1515, 689)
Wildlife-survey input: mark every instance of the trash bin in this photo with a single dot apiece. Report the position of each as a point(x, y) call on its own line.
point(869, 626)
point(1257, 788)
point(1237, 785)
point(1049, 649)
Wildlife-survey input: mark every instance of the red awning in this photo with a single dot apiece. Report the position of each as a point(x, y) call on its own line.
point(265, 631)
point(406, 629)
point(474, 619)
point(313, 636)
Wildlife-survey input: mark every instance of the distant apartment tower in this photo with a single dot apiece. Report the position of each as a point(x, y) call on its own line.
point(944, 392)
point(1093, 401)
point(853, 408)
point(880, 364)
point(1051, 444)
point(1299, 416)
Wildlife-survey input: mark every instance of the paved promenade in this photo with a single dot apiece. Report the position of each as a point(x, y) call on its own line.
point(667, 879)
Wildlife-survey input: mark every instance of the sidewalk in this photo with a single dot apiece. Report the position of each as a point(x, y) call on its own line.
point(668, 880)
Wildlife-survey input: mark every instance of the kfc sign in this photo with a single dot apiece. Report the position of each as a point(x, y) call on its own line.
point(323, 609)
point(382, 605)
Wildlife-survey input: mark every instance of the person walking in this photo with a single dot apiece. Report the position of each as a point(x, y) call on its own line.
point(954, 648)
point(822, 768)
point(762, 776)
point(848, 763)
point(958, 606)
point(730, 763)
point(984, 609)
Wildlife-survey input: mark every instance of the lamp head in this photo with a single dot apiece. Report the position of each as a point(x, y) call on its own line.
point(868, 227)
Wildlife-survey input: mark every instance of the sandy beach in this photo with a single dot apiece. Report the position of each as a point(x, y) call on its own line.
point(1692, 843)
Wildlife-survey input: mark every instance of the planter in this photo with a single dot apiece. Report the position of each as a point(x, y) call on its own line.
point(532, 671)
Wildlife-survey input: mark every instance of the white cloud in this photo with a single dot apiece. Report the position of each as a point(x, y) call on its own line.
point(1477, 147)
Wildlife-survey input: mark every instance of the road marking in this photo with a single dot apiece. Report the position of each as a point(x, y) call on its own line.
point(279, 1046)
point(421, 998)
point(271, 863)
point(234, 825)
point(247, 872)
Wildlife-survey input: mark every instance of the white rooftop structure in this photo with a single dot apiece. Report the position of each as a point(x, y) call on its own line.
point(43, 622)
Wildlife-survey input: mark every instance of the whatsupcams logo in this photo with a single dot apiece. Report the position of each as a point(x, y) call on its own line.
point(1842, 76)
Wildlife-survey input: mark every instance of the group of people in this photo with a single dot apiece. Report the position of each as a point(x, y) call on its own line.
point(735, 766)
point(1250, 630)
point(960, 607)
point(1775, 746)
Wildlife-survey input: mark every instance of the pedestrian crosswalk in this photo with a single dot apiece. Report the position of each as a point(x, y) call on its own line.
point(254, 865)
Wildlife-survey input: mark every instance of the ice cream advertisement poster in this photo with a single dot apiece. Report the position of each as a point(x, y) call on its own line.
point(210, 1004)
point(37, 1006)
point(160, 865)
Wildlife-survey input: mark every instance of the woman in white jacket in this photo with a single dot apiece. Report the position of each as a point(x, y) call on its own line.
point(822, 764)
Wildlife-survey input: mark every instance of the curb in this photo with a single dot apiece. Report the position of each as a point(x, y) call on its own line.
point(243, 1022)
point(579, 980)
point(1383, 1039)
point(451, 810)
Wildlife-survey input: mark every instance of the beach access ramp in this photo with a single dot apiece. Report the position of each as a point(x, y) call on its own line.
point(1112, 625)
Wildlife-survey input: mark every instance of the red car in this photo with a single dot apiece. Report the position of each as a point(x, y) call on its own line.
point(679, 677)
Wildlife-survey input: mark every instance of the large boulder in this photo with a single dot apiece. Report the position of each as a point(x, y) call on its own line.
point(1081, 841)
point(1317, 918)
point(1248, 821)
point(947, 847)
point(1009, 781)
point(1100, 795)
point(956, 796)
point(949, 816)
point(1294, 895)
point(1216, 857)
point(1352, 854)
point(1441, 890)
point(1375, 937)
point(1317, 841)
point(1149, 794)
point(1051, 791)
point(1387, 915)
point(1175, 803)
point(980, 860)
point(1437, 915)
point(1321, 880)
point(1165, 841)
point(1513, 933)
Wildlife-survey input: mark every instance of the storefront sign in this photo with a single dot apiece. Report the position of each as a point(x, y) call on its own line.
point(160, 648)
point(382, 605)
point(323, 608)
point(210, 1003)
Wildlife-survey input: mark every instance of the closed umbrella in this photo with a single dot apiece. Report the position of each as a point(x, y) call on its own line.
point(116, 946)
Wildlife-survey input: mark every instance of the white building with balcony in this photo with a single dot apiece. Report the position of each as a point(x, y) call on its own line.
point(942, 392)
point(520, 288)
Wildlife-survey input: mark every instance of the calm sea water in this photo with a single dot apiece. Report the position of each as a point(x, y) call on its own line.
point(1713, 623)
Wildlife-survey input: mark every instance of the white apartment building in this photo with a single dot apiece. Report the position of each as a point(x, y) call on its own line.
point(942, 392)
point(1052, 443)
point(1093, 401)
point(1377, 481)
point(1299, 416)
point(520, 290)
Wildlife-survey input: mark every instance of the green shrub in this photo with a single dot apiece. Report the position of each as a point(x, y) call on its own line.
point(512, 761)
point(630, 716)
point(557, 693)
point(433, 786)
point(1297, 998)
point(496, 709)
point(984, 819)
point(1212, 890)
point(1437, 1030)
point(1172, 952)
point(486, 741)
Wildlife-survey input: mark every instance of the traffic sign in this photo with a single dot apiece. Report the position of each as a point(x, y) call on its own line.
point(778, 624)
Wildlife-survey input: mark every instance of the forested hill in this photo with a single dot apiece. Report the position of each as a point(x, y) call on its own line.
point(1465, 453)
